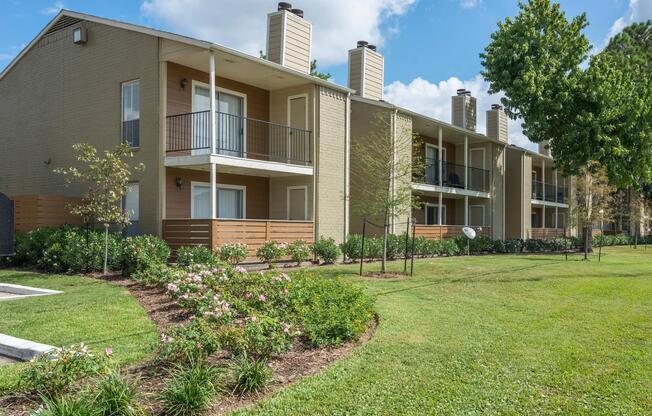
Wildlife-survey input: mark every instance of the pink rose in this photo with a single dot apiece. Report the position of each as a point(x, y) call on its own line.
point(262, 298)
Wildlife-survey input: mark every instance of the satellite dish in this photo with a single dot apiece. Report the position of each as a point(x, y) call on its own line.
point(469, 232)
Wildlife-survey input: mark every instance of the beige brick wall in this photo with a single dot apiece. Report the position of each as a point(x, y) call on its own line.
point(330, 175)
point(497, 185)
point(61, 93)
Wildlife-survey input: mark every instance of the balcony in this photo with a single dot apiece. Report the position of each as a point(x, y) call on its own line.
point(238, 137)
point(549, 192)
point(453, 176)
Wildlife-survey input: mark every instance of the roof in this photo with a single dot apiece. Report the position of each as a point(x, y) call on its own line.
point(461, 130)
point(68, 14)
point(530, 152)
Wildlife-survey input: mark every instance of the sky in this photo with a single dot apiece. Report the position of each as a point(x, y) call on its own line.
point(431, 47)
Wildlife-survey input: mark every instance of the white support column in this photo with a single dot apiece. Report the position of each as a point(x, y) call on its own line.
point(543, 216)
point(441, 206)
point(543, 179)
point(466, 162)
point(440, 161)
point(556, 217)
point(213, 182)
point(212, 119)
point(466, 210)
point(556, 183)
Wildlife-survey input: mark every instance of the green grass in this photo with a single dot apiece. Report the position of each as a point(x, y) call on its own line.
point(519, 334)
point(96, 312)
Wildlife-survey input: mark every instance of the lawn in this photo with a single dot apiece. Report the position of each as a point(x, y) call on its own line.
point(96, 312)
point(518, 334)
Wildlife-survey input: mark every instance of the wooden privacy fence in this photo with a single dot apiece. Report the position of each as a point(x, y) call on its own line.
point(34, 211)
point(253, 233)
point(545, 233)
point(441, 232)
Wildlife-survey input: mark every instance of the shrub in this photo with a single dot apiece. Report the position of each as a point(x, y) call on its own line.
point(66, 406)
point(141, 253)
point(116, 395)
point(190, 255)
point(190, 390)
point(299, 251)
point(233, 254)
point(331, 311)
point(157, 274)
point(326, 250)
point(29, 246)
point(53, 373)
point(270, 252)
point(373, 248)
point(198, 339)
point(352, 247)
point(250, 375)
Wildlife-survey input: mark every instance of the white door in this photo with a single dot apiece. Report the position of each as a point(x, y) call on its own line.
point(297, 203)
point(200, 202)
point(201, 130)
point(230, 124)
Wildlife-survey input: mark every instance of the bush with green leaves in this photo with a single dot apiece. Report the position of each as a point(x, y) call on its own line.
point(197, 339)
point(52, 373)
point(191, 255)
point(143, 252)
point(115, 394)
point(326, 250)
point(232, 254)
point(157, 275)
point(373, 248)
point(250, 375)
point(270, 252)
point(352, 247)
point(330, 311)
point(191, 389)
point(66, 406)
point(299, 251)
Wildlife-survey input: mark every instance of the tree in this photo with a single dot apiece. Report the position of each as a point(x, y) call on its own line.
point(386, 159)
point(106, 178)
point(593, 202)
point(598, 113)
point(315, 73)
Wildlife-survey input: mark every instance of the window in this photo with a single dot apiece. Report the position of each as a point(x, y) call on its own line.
point(231, 201)
point(131, 113)
point(131, 201)
point(432, 214)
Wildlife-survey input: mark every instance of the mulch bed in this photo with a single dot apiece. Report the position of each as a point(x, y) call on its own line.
point(301, 361)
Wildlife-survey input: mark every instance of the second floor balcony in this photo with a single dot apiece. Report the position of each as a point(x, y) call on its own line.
point(236, 136)
point(454, 175)
point(549, 192)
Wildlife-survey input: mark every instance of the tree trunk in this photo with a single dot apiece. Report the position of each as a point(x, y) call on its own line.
point(636, 237)
point(106, 248)
point(588, 242)
point(383, 264)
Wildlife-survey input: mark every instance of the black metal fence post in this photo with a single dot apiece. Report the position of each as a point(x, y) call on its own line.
point(412, 254)
point(364, 226)
point(407, 239)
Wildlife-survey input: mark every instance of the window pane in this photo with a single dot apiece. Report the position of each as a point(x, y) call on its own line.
point(131, 113)
point(132, 201)
point(201, 202)
point(230, 203)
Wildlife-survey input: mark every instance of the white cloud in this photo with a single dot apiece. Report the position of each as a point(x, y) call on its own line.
point(434, 99)
point(337, 24)
point(469, 4)
point(639, 10)
point(54, 9)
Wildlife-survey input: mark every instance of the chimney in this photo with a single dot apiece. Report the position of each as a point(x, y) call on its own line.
point(497, 123)
point(464, 110)
point(289, 38)
point(544, 148)
point(366, 71)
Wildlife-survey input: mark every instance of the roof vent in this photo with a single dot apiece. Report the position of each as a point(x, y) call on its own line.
point(284, 6)
point(362, 44)
point(372, 47)
point(463, 91)
point(496, 107)
point(297, 12)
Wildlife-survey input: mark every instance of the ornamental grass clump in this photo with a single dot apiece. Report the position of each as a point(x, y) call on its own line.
point(116, 395)
point(191, 389)
point(250, 375)
point(65, 406)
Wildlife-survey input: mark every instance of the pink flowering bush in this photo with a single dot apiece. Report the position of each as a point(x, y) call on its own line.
point(233, 253)
point(271, 252)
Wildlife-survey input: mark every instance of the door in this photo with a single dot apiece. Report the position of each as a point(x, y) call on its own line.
point(298, 145)
point(200, 203)
point(432, 214)
point(477, 174)
point(477, 215)
point(230, 126)
point(297, 203)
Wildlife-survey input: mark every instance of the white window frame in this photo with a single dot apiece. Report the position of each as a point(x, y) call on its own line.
point(243, 95)
point(122, 109)
point(305, 202)
point(443, 213)
point(243, 188)
point(484, 222)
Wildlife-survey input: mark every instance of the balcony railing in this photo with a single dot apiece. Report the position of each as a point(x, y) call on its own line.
point(453, 176)
point(552, 193)
point(237, 136)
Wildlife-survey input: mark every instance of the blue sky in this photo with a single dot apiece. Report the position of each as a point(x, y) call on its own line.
point(431, 47)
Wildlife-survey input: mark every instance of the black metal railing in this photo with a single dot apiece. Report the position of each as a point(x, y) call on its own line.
point(453, 176)
point(240, 137)
point(549, 192)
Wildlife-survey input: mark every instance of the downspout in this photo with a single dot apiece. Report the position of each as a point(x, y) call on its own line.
point(347, 163)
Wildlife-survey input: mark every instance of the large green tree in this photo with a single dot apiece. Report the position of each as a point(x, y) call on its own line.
point(590, 111)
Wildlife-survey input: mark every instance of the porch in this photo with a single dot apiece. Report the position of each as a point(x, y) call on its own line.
point(545, 233)
point(215, 233)
point(442, 232)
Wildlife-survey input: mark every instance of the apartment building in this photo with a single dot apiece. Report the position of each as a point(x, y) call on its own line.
point(266, 158)
point(538, 196)
point(464, 171)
